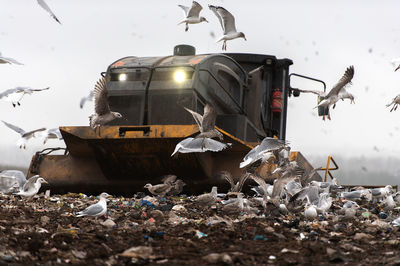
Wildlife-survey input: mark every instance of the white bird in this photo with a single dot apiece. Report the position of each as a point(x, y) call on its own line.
point(208, 198)
point(389, 203)
point(192, 15)
point(43, 4)
point(96, 210)
point(52, 133)
point(32, 186)
point(190, 145)
point(263, 151)
point(8, 60)
point(395, 102)
point(227, 21)
point(25, 136)
point(378, 193)
point(85, 99)
point(15, 95)
point(13, 177)
point(310, 211)
point(102, 114)
point(337, 92)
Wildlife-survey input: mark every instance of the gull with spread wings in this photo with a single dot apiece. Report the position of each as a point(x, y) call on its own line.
point(25, 136)
point(43, 4)
point(203, 141)
point(192, 15)
point(8, 60)
point(395, 102)
point(102, 113)
point(227, 21)
point(51, 133)
point(15, 95)
point(337, 92)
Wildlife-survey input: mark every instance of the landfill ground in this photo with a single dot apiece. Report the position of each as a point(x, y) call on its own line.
point(44, 231)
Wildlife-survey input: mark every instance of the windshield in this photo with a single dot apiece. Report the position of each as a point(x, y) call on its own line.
point(172, 78)
point(129, 78)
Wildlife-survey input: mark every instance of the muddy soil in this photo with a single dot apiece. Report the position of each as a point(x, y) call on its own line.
point(44, 231)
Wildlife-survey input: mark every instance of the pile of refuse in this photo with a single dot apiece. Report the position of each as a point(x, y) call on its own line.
point(177, 230)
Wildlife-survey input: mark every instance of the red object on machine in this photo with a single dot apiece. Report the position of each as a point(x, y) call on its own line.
point(276, 106)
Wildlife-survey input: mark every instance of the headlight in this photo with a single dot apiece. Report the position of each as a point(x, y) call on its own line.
point(122, 77)
point(179, 76)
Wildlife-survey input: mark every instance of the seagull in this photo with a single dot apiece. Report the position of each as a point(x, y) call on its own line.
point(25, 136)
point(43, 4)
point(102, 114)
point(227, 21)
point(235, 207)
point(395, 102)
point(176, 184)
point(355, 195)
point(16, 175)
point(262, 151)
point(206, 122)
point(86, 99)
point(96, 210)
point(192, 15)
point(160, 189)
point(32, 186)
point(381, 192)
point(208, 198)
point(396, 222)
point(8, 60)
point(15, 95)
point(234, 187)
point(310, 211)
point(337, 92)
point(52, 133)
point(190, 145)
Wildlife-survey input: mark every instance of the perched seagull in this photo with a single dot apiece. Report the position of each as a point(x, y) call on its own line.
point(96, 210)
point(190, 145)
point(102, 114)
point(208, 198)
point(337, 92)
point(395, 102)
point(381, 192)
point(310, 211)
point(176, 184)
point(192, 15)
point(160, 189)
point(234, 187)
point(227, 21)
point(8, 60)
point(43, 4)
point(15, 95)
point(263, 151)
point(355, 195)
point(32, 186)
point(52, 133)
point(235, 207)
point(25, 136)
point(85, 99)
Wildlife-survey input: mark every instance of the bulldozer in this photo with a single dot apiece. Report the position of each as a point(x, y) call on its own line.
point(249, 92)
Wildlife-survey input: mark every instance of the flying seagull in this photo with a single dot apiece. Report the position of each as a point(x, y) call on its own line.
point(227, 21)
point(15, 95)
point(43, 4)
point(203, 141)
point(25, 136)
point(337, 92)
point(8, 60)
point(190, 145)
point(32, 186)
point(85, 99)
point(395, 102)
point(192, 14)
point(52, 133)
point(263, 151)
point(96, 210)
point(102, 114)
point(235, 187)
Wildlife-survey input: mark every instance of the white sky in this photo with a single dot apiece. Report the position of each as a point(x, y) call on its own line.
point(321, 37)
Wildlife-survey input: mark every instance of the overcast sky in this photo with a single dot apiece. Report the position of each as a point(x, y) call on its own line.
point(321, 37)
